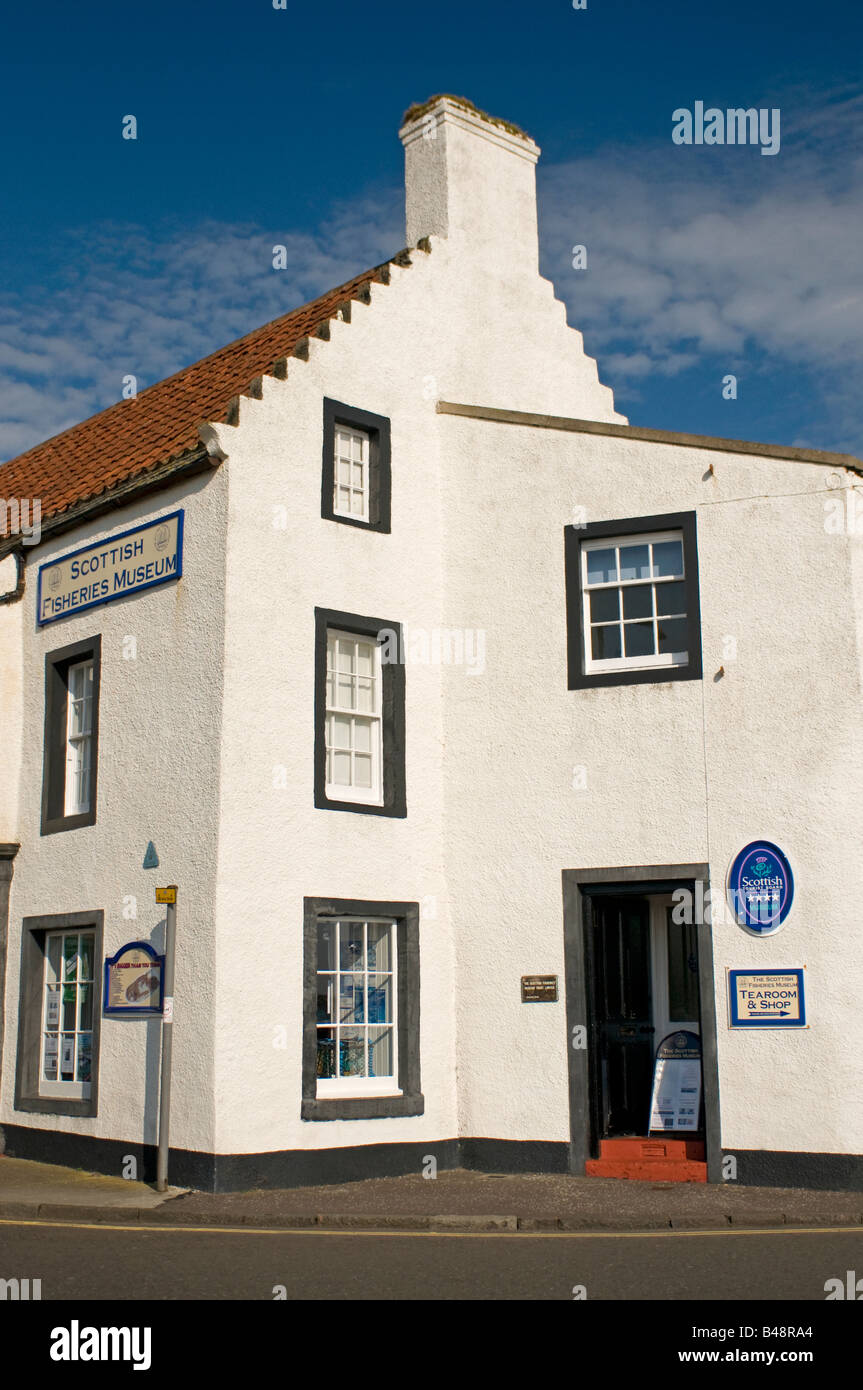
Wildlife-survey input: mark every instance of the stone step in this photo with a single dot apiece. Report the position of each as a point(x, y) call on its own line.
point(660, 1146)
point(647, 1170)
point(659, 1159)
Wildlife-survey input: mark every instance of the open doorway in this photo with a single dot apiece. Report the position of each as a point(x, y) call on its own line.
point(639, 972)
point(644, 986)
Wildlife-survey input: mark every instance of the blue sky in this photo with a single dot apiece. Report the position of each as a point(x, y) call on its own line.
point(259, 126)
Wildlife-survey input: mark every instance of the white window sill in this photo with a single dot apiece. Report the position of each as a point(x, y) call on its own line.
point(349, 794)
point(593, 668)
point(65, 1090)
point(345, 1090)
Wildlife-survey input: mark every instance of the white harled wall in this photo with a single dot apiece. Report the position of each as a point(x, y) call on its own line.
point(158, 778)
point(453, 324)
point(675, 772)
point(10, 701)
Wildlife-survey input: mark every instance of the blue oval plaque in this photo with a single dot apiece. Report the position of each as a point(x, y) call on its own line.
point(761, 887)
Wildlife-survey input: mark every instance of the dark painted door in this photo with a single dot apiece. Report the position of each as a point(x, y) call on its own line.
point(623, 1015)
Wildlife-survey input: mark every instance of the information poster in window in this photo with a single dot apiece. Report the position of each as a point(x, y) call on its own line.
point(133, 980)
point(85, 1054)
point(676, 1100)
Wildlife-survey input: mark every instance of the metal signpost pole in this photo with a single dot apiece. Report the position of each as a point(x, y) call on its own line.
point(167, 1038)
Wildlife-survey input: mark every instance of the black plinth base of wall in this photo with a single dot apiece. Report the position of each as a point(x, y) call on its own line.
point(208, 1172)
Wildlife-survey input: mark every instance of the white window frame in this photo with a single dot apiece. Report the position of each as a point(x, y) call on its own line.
point(655, 660)
point(328, 1087)
point(660, 984)
point(67, 1090)
point(79, 746)
point(353, 437)
point(372, 795)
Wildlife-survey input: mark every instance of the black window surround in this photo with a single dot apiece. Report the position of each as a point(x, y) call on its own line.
point(34, 932)
point(392, 711)
point(411, 1101)
point(377, 427)
point(577, 677)
point(57, 665)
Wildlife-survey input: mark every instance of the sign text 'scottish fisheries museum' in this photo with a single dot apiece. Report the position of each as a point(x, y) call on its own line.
point(121, 565)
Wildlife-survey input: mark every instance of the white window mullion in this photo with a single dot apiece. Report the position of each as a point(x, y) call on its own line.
point(351, 473)
point(609, 571)
point(68, 980)
point(353, 719)
point(79, 737)
point(382, 1082)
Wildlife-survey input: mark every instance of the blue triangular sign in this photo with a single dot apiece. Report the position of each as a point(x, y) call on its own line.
point(151, 858)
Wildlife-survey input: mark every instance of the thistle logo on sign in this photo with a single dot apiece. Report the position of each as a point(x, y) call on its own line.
point(761, 888)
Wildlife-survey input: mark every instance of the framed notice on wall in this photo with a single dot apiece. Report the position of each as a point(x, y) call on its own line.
point(134, 980)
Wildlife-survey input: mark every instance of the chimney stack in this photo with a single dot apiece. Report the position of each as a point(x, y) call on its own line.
point(472, 179)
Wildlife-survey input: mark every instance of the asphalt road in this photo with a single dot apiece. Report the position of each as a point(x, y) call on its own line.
point(109, 1263)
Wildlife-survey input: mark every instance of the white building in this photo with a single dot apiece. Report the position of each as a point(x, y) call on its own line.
point(419, 480)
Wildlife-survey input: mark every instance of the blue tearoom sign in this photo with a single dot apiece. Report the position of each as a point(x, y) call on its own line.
point(761, 887)
point(767, 998)
point(125, 564)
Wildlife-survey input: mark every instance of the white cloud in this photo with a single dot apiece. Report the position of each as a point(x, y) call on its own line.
point(148, 301)
point(697, 257)
point(705, 255)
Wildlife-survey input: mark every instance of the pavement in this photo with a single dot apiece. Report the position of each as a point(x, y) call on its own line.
point(27, 1187)
point(454, 1200)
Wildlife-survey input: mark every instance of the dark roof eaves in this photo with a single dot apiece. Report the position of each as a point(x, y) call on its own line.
point(153, 479)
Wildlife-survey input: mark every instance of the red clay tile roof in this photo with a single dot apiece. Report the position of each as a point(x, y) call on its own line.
point(136, 436)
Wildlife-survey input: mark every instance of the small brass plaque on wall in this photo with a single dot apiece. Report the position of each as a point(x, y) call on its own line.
point(539, 989)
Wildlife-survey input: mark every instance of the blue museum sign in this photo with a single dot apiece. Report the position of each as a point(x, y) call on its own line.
point(124, 564)
point(761, 887)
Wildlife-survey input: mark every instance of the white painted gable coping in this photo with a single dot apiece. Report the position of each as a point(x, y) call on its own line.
point(691, 441)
